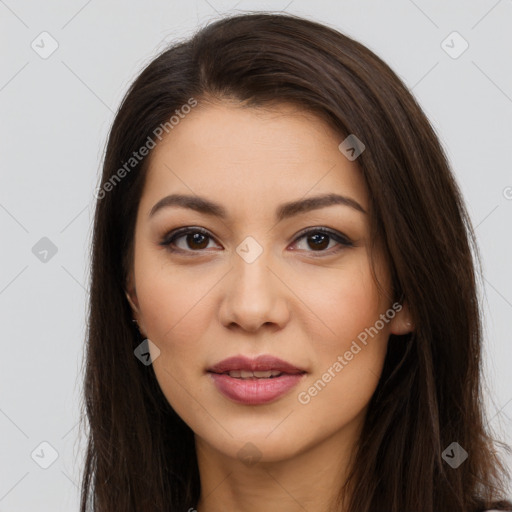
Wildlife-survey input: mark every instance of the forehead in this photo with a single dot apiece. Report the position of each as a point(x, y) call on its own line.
point(254, 155)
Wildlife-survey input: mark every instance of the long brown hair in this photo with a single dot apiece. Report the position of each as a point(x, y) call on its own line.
point(140, 454)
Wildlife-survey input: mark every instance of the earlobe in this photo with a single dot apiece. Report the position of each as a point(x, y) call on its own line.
point(402, 322)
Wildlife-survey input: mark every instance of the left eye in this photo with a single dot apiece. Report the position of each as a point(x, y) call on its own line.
point(320, 239)
point(196, 239)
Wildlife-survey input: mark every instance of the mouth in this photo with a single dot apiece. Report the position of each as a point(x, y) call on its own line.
point(246, 374)
point(255, 381)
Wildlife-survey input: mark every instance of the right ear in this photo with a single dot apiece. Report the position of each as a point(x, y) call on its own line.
point(132, 299)
point(131, 296)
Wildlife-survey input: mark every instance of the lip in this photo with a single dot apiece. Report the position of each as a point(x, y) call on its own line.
point(255, 391)
point(263, 362)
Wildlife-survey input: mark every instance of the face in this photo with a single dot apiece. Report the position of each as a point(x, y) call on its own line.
point(276, 275)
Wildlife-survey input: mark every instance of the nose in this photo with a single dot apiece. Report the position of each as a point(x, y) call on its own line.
point(254, 295)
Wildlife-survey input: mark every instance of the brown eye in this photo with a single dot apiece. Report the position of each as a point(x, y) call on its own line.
point(195, 239)
point(319, 240)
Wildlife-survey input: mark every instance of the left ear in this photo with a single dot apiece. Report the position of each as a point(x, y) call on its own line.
point(402, 322)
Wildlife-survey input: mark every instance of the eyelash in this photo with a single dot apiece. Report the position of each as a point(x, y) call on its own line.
point(343, 241)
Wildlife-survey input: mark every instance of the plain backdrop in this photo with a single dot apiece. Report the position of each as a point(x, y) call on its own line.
point(56, 110)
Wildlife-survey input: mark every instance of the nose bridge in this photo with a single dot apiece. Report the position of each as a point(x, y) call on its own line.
point(254, 295)
point(251, 270)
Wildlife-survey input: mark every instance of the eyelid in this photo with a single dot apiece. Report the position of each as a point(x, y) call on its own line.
point(337, 235)
point(185, 230)
point(341, 239)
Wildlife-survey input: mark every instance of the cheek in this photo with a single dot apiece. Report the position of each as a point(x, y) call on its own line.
point(175, 308)
point(346, 374)
point(345, 302)
point(176, 312)
point(349, 360)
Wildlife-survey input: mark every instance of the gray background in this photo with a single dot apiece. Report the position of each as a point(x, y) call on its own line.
point(56, 112)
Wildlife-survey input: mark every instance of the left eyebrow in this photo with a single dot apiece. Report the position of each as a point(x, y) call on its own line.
point(292, 208)
point(284, 211)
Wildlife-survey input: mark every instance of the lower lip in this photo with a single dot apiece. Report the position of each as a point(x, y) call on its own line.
point(255, 391)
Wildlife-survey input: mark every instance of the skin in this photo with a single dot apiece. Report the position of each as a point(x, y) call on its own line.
point(295, 301)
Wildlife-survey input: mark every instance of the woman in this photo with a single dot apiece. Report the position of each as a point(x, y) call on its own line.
point(283, 304)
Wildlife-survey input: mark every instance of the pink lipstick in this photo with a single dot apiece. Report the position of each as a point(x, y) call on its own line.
point(255, 381)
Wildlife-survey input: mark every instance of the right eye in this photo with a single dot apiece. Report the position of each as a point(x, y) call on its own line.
point(195, 239)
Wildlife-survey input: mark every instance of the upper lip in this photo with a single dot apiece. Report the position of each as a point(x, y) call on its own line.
point(261, 363)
